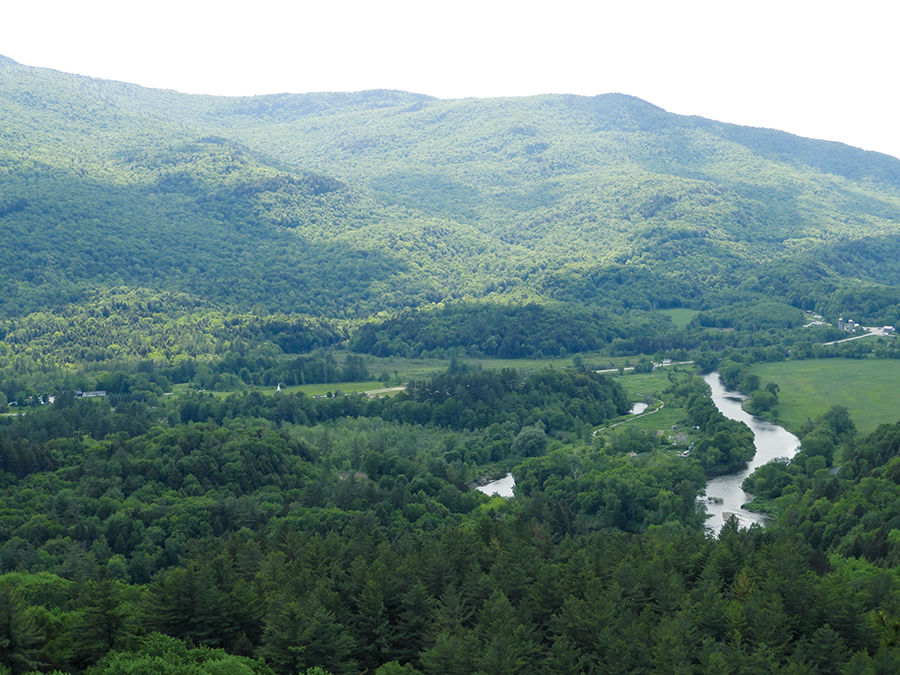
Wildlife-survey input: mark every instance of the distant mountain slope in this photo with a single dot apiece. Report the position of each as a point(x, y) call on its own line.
point(101, 187)
point(350, 204)
point(583, 170)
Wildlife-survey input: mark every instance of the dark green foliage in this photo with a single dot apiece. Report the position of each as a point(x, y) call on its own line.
point(299, 636)
point(769, 480)
point(605, 201)
point(763, 401)
point(505, 331)
point(560, 401)
point(238, 534)
point(727, 444)
point(530, 442)
point(164, 239)
point(20, 634)
point(758, 316)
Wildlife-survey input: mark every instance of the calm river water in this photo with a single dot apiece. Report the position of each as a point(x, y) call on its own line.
point(502, 486)
point(771, 441)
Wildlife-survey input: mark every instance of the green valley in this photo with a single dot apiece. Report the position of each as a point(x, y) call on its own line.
point(807, 389)
point(257, 354)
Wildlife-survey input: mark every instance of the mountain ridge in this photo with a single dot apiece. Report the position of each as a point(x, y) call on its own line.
point(446, 198)
point(403, 96)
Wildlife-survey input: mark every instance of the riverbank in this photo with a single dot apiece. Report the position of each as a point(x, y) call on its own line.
point(808, 388)
point(770, 440)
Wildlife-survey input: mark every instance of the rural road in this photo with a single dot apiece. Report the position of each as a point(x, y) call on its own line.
point(871, 331)
point(630, 419)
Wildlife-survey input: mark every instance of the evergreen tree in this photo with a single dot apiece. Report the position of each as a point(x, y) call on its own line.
point(20, 636)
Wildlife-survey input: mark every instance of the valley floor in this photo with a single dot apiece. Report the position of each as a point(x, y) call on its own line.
point(866, 387)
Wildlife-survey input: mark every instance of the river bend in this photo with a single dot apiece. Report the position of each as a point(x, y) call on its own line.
point(771, 441)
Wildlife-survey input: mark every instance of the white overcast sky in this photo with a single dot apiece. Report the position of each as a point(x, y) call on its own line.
point(821, 69)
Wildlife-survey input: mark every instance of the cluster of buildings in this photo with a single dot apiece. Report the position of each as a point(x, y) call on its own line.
point(849, 326)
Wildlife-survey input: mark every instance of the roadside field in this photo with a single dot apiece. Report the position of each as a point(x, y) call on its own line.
point(403, 369)
point(868, 388)
point(641, 385)
point(648, 386)
point(399, 370)
point(308, 389)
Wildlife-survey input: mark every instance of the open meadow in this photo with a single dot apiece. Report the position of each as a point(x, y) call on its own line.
point(648, 387)
point(868, 388)
point(681, 317)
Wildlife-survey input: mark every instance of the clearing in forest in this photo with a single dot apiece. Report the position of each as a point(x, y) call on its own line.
point(866, 387)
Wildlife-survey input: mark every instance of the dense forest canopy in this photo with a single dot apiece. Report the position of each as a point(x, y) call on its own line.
point(287, 533)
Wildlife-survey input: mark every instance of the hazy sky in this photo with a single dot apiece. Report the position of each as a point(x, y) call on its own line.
point(822, 69)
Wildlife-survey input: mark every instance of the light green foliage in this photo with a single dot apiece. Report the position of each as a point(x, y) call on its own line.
point(158, 653)
point(170, 241)
point(680, 317)
point(413, 201)
point(808, 388)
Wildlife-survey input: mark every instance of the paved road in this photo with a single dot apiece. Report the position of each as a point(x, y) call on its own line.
point(871, 331)
point(655, 365)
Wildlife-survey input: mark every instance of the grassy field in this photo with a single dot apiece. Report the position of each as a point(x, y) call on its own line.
point(308, 389)
point(401, 369)
point(653, 422)
point(680, 317)
point(344, 387)
point(643, 386)
point(867, 387)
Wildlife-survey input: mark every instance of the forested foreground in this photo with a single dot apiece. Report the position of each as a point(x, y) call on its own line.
point(166, 245)
point(283, 533)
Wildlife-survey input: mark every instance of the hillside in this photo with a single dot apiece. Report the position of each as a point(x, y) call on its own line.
point(349, 206)
point(257, 353)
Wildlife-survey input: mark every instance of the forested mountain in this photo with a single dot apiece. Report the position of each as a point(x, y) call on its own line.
point(193, 264)
point(351, 204)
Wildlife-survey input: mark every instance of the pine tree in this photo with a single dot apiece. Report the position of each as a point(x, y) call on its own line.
point(103, 620)
point(20, 636)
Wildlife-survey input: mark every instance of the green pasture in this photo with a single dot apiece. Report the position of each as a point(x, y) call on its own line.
point(639, 386)
point(680, 317)
point(868, 388)
point(644, 386)
point(308, 389)
point(401, 369)
point(663, 419)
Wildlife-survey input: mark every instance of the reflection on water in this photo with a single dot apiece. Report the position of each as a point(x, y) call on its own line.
point(502, 486)
point(771, 441)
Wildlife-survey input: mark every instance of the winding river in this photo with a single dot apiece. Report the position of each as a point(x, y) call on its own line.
point(771, 441)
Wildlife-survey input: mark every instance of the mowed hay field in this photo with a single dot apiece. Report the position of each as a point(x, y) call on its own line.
point(868, 388)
